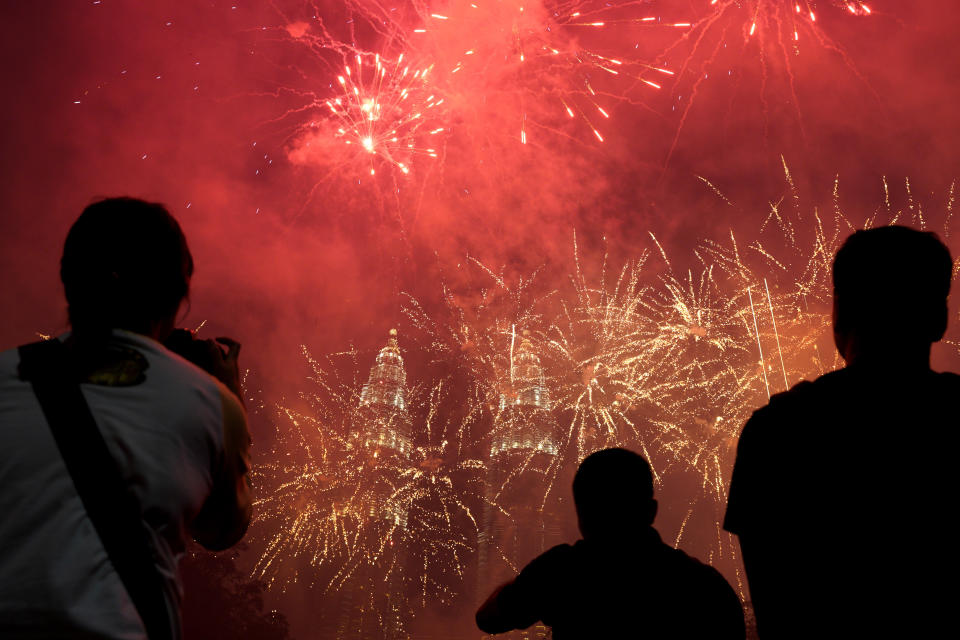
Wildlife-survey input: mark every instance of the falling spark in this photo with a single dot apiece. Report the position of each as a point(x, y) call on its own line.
point(542, 44)
point(777, 28)
point(773, 320)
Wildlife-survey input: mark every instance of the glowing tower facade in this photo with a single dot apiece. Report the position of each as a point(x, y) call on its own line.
point(523, 449)
point(371, 606)
point(519, 426)
point(382, 400)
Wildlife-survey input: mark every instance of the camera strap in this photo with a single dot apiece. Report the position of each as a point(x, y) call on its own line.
point(114, 510)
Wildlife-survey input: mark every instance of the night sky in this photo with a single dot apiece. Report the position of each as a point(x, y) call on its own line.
point(207, 107)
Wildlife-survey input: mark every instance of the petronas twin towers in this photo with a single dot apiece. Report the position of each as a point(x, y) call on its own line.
point(517, 521)
point(384, 393)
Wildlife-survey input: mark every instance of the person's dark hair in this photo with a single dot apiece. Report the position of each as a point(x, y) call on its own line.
point(891, 283)
point(125, 265)
point(613, 489)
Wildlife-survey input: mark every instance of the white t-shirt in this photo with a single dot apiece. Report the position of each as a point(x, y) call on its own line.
point(166, 434)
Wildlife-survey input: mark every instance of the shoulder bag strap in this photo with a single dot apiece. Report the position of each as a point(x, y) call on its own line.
point(114, 511)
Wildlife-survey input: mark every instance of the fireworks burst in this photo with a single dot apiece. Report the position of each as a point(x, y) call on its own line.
point(600, 362)
point(663, 361)
point(312, 514)
point(380, 112)
point(353, 504)
point(475, 64)
point(627, 362)
point(532, 54)
point(771, 31)
point(386, 114)
point(784, 16)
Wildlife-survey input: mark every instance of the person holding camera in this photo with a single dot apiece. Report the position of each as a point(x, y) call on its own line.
point(116, 449)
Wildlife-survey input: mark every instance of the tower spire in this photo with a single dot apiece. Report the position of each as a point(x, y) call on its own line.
point(383, 400)
point(517, 519)
point(523, 422)
point(384, 388)
point(526, 378)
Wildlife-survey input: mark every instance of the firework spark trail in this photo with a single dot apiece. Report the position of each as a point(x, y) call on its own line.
point(776, 12)
point(529, 52)
point(643, 357)
point(364, 103)
point(310, 506)
point(763, 364)
point(773, 321)
point(341, 509)
point(455, 63)
point(385, 112)
point(375, 114)
point(774, 28)
point(699, 34)
point(803, 298)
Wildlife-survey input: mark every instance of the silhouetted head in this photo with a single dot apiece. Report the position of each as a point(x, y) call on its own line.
point(890, 287)
point(125, 265)
point(613, 493)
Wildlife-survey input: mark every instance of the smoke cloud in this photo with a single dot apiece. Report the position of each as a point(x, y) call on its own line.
point(218, 110)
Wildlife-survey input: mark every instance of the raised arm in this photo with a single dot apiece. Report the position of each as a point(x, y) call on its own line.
point(491, 618)
point(519, 603)
point(226, 514)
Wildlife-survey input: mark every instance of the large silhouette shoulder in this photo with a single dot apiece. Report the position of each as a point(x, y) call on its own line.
point(867, 456)
point(824, 444)
point(645, 589)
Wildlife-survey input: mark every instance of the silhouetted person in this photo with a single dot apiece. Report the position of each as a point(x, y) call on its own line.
point(843, 487)
point(109, 398)
point(620, 580)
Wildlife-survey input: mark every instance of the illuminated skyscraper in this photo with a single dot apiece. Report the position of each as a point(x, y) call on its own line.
point(371, 602)
point(520, 424)
point(526, 377)
point(385, 427)
point(519, 518)
point(382, 400)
